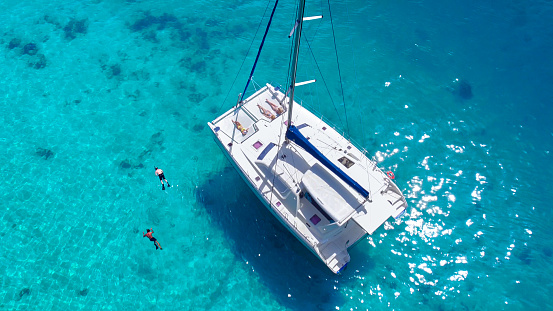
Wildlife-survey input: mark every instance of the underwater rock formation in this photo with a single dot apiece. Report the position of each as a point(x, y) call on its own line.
point(52, 20)
point(198, 66)
point(525, 255)
point(15, 42)
point(547, 251)
point(155, 143)
point(30, 49)
point(44, 153)
point(24, 292)
point(198, 127)
point(163, 21)
point(111, 71)
point(461, 88)
point(115, 70)
point(125, 164)
point(465, 90)
point(156, 139)
point(201, 37)
point(144, 22)
point(196, 97)
point(149, 25)
point(83, 292)
point(74, 28)
point(39, 63)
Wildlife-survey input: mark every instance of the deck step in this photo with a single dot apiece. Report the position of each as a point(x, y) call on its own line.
point(329, 251)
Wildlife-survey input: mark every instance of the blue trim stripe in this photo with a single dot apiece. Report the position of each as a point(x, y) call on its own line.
point(294, 135)
point(265, 151)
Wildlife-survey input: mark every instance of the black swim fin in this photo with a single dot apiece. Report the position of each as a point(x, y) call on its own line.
point(162, 187)
point(168, 185)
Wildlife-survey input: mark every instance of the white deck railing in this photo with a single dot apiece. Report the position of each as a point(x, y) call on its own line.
point(284, 216)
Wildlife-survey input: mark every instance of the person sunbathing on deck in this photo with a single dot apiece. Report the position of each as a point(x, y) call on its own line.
point(278, 109)
point(240, 127)
point(266, 113)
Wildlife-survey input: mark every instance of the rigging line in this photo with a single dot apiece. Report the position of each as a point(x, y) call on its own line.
point(339, 72)
point(354, 73)
point(285, 92)
point(356, 94)
point(260, 48)
point(310, 70)
point(246, 56)
point(280, 147)
point(315, 86)
point(295, 56)
point(296, 153)
point(324, 82)
point(295, 178)
point(288, 83)
point(329, 145)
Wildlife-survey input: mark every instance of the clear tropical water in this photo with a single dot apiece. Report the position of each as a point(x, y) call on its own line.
point(454, 97)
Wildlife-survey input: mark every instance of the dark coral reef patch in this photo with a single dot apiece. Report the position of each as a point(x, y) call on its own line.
point(38, 62)
point(30, 49)
point(148, 25)
point(112, 71)
point(465, 90)
point(461, 88)
point(126, 164)
point(74, 28)
point(44, 153)
point(24, 292)
point(83, 292)
point(15, 42)
point(28, 52)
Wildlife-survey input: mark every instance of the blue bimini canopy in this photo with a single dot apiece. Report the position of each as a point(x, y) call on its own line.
point(294, 135)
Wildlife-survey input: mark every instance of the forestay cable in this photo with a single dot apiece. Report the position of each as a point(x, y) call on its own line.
point(245, 56)
point(259, 51)
point(338, 62)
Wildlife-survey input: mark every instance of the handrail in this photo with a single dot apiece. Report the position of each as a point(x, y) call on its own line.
point(306, 238)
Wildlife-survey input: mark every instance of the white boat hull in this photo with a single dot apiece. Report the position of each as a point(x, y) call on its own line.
point(319, 209)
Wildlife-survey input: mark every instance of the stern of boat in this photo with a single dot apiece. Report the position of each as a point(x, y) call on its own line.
point(336, 258)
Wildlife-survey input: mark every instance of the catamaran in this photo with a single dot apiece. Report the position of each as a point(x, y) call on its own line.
point(317, 183)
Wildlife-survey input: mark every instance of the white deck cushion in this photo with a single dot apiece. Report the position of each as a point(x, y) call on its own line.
point(329, 192)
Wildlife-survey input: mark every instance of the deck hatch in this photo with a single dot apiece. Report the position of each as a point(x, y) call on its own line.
point(257, 145)
point(346, 162)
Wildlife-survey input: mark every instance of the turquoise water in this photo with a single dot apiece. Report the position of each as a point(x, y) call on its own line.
point(95, 93)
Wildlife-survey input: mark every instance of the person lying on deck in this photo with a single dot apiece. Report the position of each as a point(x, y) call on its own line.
point(278, 109)
point(240, 127)
point(266, 113)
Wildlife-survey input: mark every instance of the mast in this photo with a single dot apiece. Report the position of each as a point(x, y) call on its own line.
point(297, 39)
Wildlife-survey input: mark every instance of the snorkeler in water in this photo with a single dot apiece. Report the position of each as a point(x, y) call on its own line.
point(159, 173)
point(149, 235)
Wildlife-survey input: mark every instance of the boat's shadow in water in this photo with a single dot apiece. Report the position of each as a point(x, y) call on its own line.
point(284, 265)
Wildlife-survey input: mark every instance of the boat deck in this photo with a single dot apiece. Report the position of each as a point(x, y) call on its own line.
point(250, 117)
point(275, 170)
